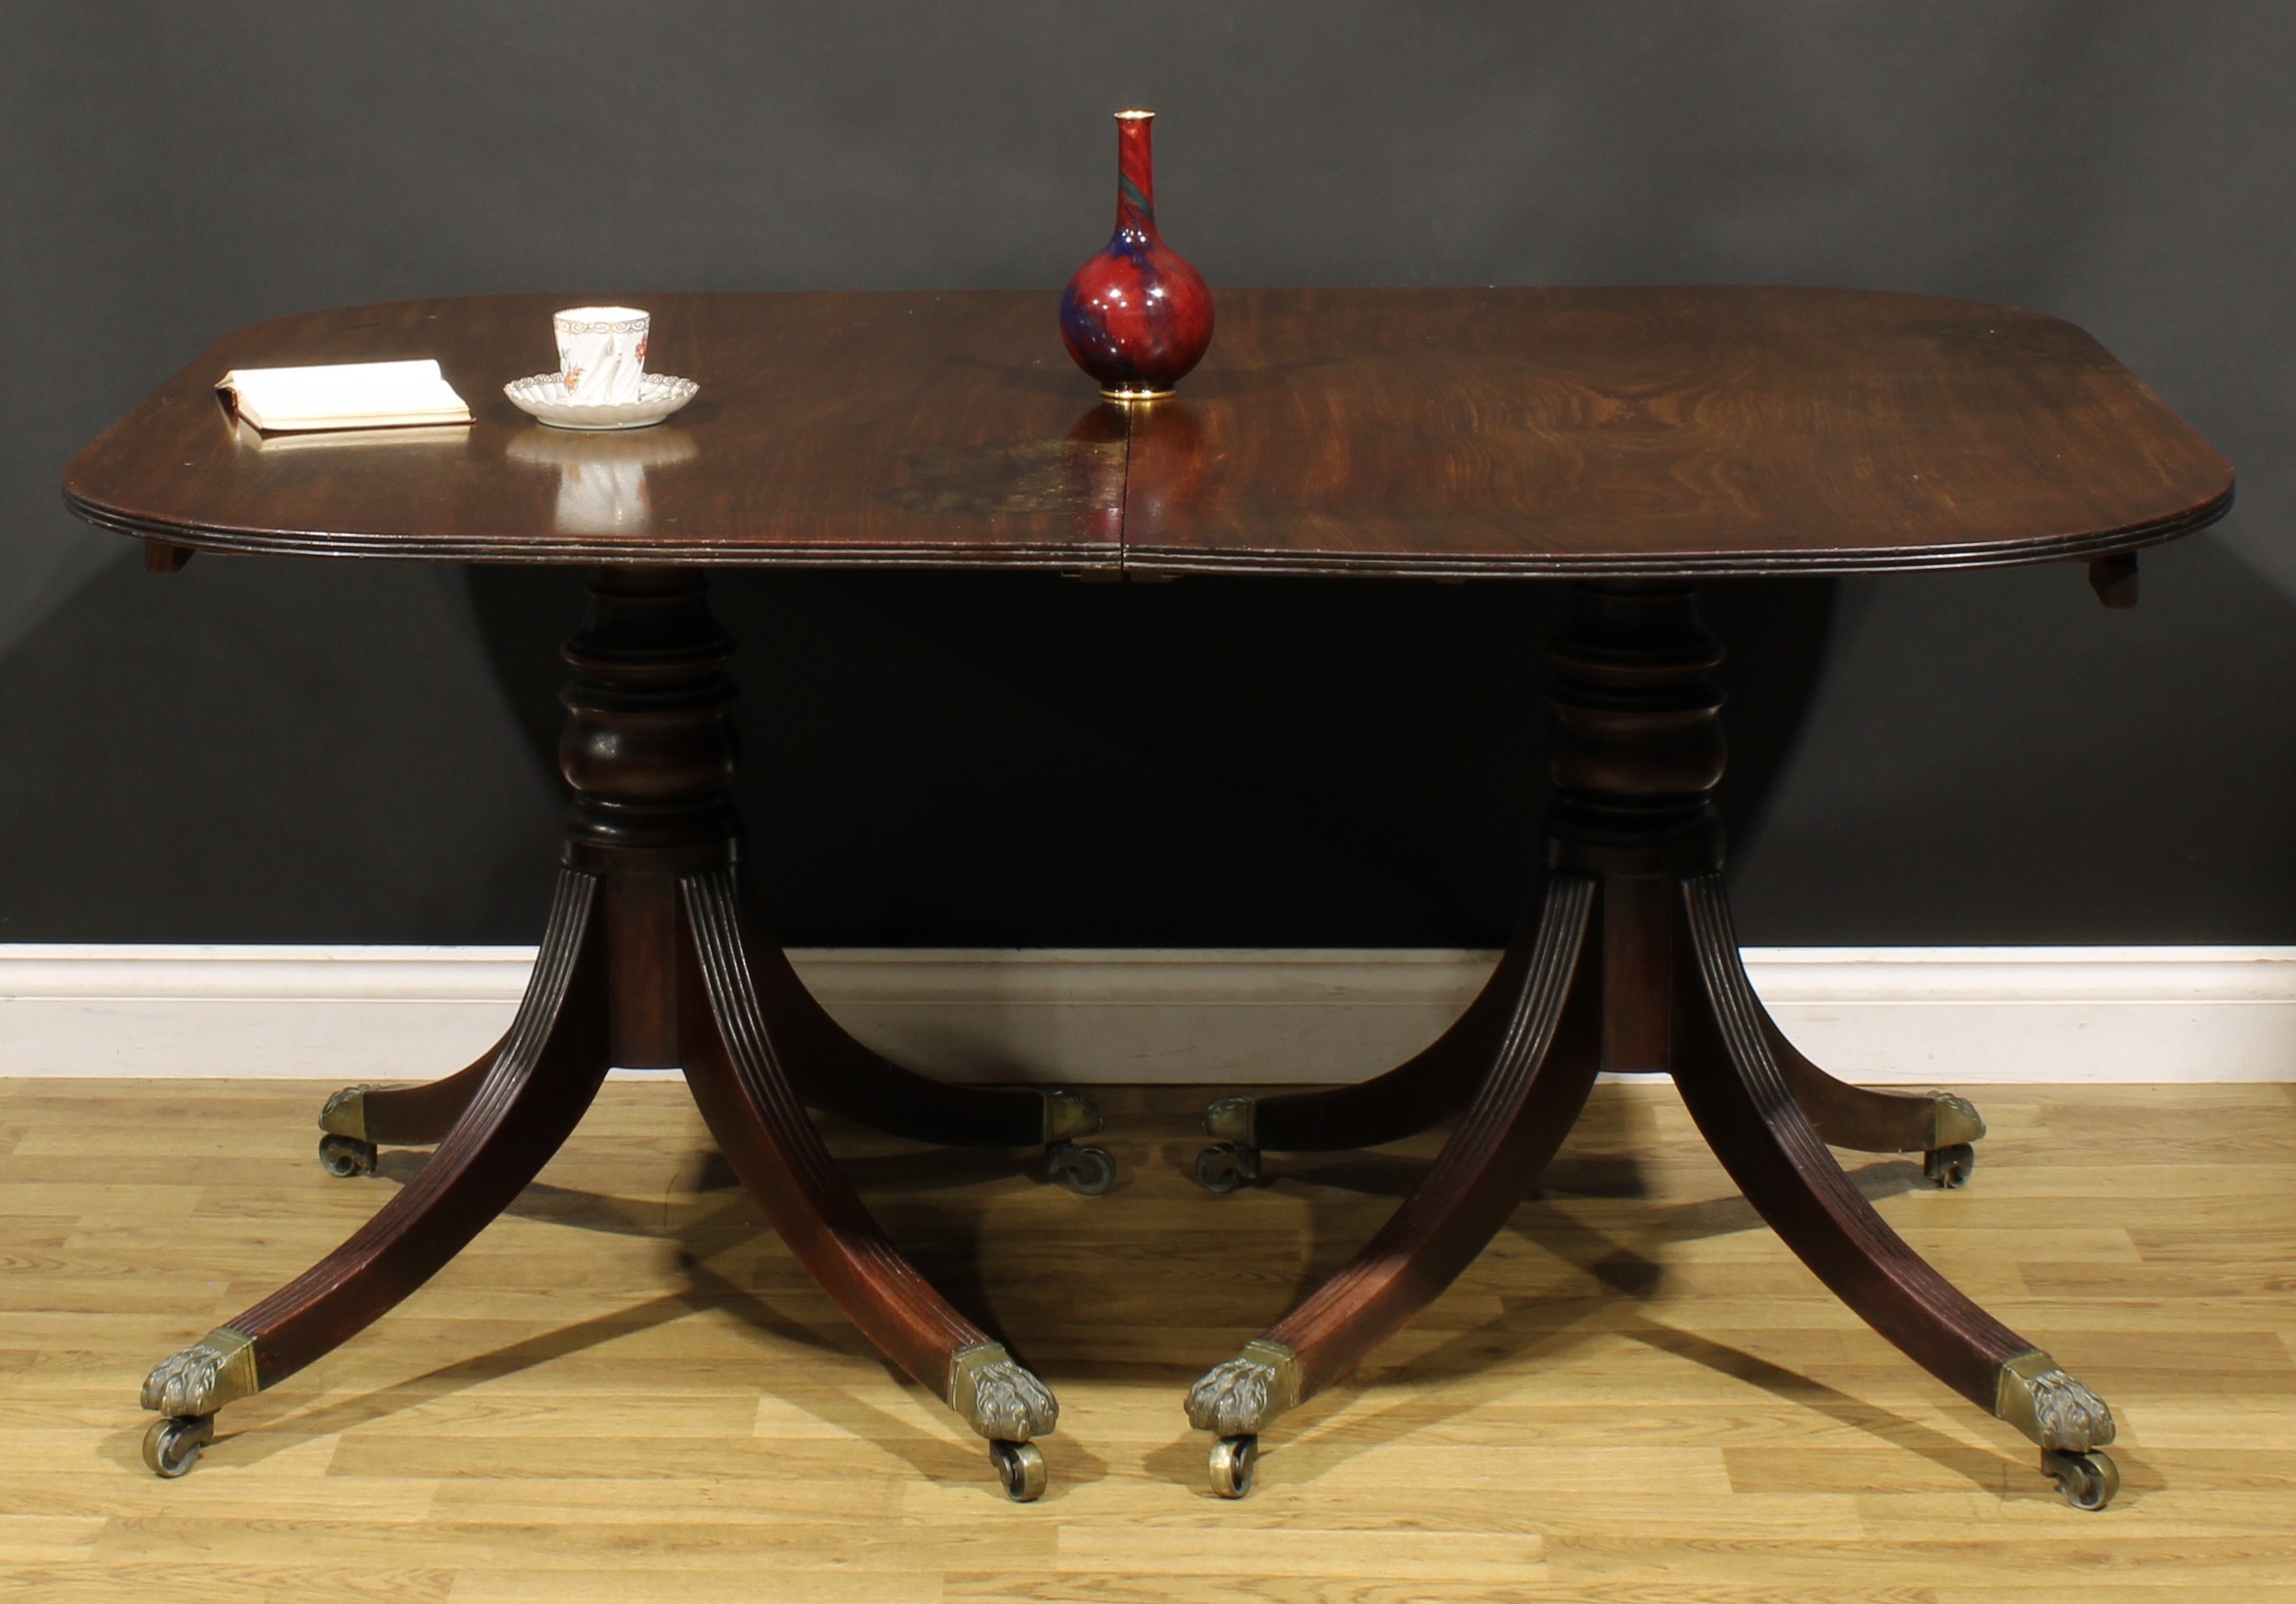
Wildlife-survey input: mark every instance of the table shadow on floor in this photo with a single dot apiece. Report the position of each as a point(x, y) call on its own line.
point(937, 1203)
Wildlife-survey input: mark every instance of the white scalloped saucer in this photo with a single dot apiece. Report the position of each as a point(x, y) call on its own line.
point(543, 395)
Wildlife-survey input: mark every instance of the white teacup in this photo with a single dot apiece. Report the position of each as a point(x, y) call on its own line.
point(602, 352)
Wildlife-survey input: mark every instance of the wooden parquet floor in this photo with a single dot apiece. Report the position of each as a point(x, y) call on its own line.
point(626, 1391)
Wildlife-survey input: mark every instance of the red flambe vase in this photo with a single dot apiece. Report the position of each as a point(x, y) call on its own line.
point(1137, 316)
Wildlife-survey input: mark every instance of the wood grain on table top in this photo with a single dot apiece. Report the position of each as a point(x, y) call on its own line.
point(1502, 431)
point(830, 428)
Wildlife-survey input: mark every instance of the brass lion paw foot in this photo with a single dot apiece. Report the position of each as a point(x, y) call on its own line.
point(997, 1397)
point(2070, 1422)
point(1240, 1397)
point(211, 1373)
point(344, 1150)
point(188, 1388)
point(1236, 1399)
point(1007, 1404)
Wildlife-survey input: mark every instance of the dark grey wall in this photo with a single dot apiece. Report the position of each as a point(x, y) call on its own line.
point(268, 750)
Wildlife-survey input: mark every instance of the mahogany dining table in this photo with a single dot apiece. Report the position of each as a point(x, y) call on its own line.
point(1628, 441)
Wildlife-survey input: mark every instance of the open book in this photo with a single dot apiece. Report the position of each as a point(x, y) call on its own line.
point(346, 395)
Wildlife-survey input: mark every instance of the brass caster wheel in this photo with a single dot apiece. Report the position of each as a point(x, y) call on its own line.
point(1233, 1459)
point(1087, 1171)
point(346, 1156)
point(172, 1446)
point(1948, 1168)
point(2087, 1480)
point(1021, 1466)
point(1224, 1166)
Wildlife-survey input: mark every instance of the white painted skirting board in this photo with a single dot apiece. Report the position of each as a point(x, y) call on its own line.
point(1886, 1014)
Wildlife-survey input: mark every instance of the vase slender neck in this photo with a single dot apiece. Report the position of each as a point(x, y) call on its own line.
point(1135, 177)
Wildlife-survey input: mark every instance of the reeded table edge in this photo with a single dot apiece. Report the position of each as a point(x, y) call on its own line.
point(656, 552)
point(1708, 565)
point(1113, 556)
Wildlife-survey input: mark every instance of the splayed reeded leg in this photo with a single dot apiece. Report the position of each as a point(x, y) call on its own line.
point(1424, 1091)
point(732, 1059)
point(832, 1072)
point(359, 1119)
point(1636, 751)
point(1750, 1115)
point(838, 1074)
point(1940, 1126)
point(534, 1093)
point(1539, 1077)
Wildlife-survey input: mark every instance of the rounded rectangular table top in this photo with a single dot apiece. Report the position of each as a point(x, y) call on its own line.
point(1433, 432)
